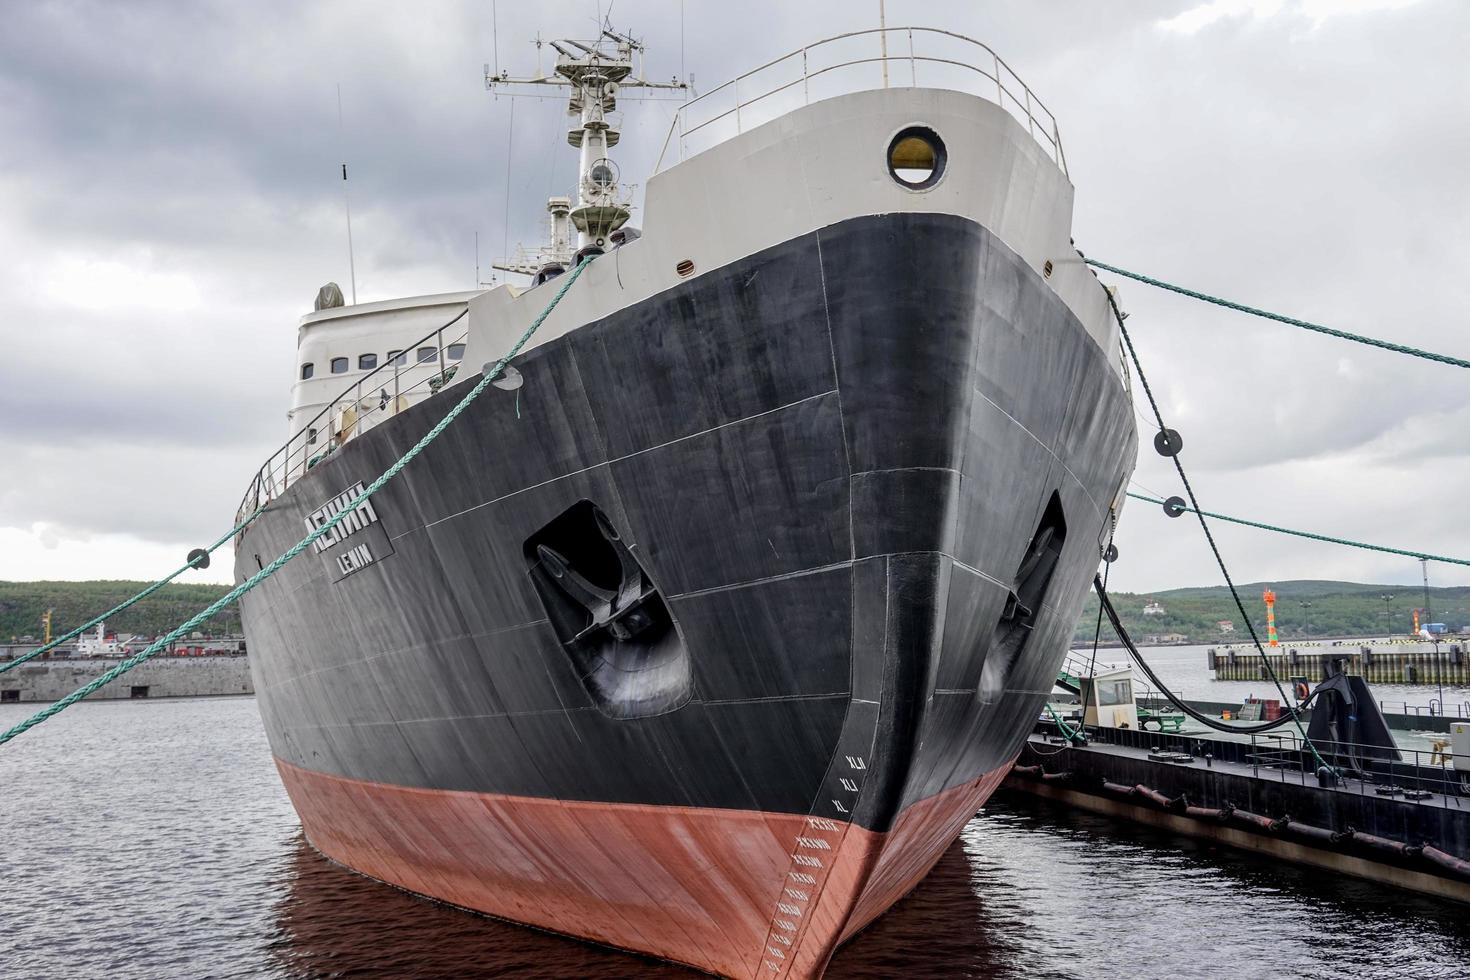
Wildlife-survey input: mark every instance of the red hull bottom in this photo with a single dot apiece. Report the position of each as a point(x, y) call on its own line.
point(736, 893)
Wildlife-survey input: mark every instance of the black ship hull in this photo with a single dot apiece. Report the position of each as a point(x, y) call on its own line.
point(706, 641)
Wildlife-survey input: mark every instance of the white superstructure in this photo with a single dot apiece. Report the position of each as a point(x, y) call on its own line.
point(96, 644)
point(387, 351)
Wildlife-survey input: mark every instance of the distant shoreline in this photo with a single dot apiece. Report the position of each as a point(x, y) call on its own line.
point(1287, 642)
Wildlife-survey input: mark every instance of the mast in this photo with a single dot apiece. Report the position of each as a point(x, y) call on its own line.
point(593, 72)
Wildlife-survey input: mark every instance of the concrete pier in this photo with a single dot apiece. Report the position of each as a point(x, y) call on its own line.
point(1419, 663)
point(164, 677)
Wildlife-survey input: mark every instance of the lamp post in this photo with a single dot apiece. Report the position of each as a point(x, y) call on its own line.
point(1388, 632)
point(1428, 612)
point(1306, 625)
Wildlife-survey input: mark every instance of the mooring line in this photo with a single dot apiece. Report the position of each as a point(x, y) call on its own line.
point(1280, 318)
point(1420, 555)
point(306, 542)
point(1168, 443)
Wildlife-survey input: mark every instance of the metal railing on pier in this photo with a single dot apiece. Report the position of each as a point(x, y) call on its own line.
point(1436, 776)
point(1434, 709)
point(891, 57)
point(1430, 777)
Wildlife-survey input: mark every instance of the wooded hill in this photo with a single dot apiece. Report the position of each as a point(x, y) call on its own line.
point(73, 603)
point(1332, 609)
point(1335, 609)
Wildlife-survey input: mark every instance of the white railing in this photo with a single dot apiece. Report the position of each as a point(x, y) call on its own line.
point(417, 372)
point(891, 57)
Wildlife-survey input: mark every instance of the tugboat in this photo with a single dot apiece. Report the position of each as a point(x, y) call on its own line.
point(705, 630)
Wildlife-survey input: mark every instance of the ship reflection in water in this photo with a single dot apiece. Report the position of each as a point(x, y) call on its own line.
point(1029, 890)
point(336, 923)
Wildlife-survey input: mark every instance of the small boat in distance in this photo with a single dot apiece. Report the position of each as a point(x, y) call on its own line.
point(704, 632)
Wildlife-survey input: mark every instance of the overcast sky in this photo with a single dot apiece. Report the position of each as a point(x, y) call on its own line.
point(170, 200)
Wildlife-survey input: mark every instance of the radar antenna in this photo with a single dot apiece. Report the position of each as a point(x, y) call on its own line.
point(594, 72)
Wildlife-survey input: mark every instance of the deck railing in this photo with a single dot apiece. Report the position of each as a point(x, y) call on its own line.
point(890, 57)
point(1434, 777)
point(1434, 709)
point(377, 395)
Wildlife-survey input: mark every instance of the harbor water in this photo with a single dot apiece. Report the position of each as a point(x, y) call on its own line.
point(153, 839)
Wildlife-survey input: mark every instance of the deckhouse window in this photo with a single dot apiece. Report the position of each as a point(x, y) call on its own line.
point(427, 354)
point(307, 370)
point(1115, 692)
point(397, 357)
point(339, 365)
point(456, 352)
point(366, 362)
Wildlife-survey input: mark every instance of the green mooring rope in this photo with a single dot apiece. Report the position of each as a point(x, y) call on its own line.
point(1061, 725)
point(305, 542)
point(1292, 321)
point(1315, 537)
point(128, 602)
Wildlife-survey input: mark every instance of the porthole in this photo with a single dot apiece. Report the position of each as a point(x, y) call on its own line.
point(397, 357)
point(685, 269)
point(339, 365)
point(456, 352)
point(916, 157)
point(427, 354)
point(307, 370)
point(366, 362)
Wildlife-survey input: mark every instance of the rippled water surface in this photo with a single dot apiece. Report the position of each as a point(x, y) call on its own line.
point(153, 839)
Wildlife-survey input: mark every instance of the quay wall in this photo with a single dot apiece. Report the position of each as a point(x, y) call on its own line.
point(1286, 850)
point(1450, 665)
point(164, 677)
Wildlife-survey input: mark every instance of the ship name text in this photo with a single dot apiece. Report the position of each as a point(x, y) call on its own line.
point(354, 559)
point(361, 516)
